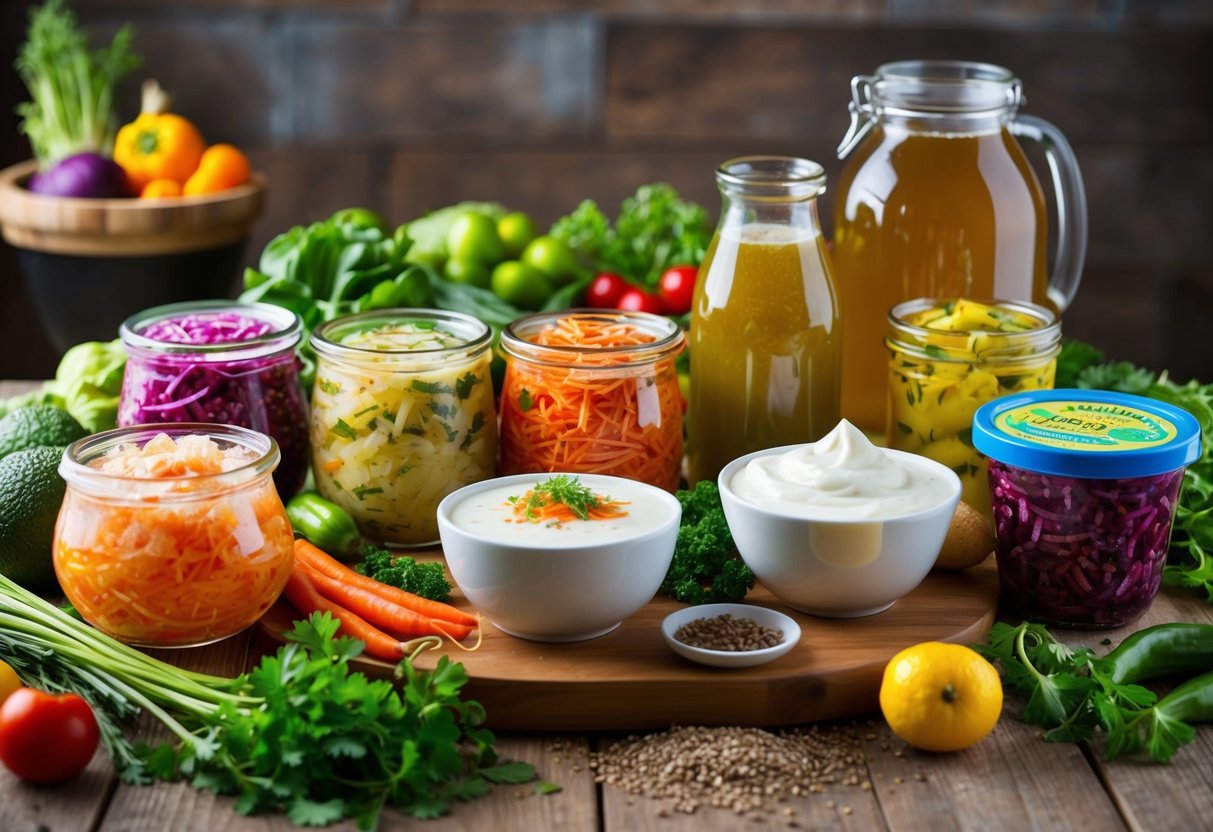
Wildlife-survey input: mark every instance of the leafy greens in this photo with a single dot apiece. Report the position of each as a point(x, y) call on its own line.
point(301, 733)
point(72, 88)
point(655, 229)
point(1071, 693)
point(1190, 562)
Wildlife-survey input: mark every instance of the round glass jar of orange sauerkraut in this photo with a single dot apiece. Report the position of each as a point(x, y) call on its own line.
point(172, 535)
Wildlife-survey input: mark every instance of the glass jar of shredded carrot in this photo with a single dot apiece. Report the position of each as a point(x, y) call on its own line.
point(593, 392)
point(172, 535)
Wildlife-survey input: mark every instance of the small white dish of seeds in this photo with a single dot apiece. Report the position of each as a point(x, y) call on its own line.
point(730, 635)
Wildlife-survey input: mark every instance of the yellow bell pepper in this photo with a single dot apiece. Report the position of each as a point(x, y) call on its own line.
point(158, 144)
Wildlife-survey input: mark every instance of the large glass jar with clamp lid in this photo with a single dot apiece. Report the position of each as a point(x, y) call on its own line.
point(937, 199)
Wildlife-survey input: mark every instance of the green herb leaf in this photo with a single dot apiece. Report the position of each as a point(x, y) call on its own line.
point(465, 383)
point(344, 430)
point(525, 402)
point(562, 489)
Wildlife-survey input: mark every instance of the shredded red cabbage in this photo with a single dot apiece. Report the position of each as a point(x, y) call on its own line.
point(1081, 552)
point(262, 392)
point(207, 328)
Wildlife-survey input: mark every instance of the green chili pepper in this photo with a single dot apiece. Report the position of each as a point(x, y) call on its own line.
point(1163, 650)
point(1191, 702)
point(328, 526)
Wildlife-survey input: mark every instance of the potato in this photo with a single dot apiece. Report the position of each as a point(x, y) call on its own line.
point(970, 540)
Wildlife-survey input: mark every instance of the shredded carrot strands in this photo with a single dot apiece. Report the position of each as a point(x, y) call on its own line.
point(527, 510)
point(596, 414)
point(174, 573)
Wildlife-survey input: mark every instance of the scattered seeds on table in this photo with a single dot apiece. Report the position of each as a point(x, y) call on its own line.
point(742, 770)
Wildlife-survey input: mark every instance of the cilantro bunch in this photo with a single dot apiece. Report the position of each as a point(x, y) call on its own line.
point(1072, 693)
point(302, 733)
point(1190, 563)
point(655, 229)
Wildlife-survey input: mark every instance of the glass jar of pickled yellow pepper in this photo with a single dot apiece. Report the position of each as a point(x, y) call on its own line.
point(950, 356)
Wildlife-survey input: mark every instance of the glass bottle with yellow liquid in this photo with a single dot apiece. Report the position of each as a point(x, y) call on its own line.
point(765, 343)
point(938, 200)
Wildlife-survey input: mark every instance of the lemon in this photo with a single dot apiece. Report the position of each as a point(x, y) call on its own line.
point(9, 681)
point(31, 491)
point(940, 697)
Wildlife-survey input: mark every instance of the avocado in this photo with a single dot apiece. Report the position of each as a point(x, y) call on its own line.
point(31, 492)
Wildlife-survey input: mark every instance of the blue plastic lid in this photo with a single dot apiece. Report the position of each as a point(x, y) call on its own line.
point(1087, 433)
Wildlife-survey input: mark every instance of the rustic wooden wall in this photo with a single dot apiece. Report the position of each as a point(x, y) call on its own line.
point(405, 106)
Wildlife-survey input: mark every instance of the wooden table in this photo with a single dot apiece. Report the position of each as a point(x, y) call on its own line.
point(1013, 780)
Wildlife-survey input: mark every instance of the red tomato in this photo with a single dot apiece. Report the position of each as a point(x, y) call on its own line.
point(638, 300)
point(605, 290)
point(677, 287)
point(46, 738)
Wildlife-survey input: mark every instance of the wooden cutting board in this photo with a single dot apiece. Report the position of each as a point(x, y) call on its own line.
point(630, 679)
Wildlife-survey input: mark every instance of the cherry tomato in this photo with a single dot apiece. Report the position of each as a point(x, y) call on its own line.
point(605, 290)
point(677, 287)
point(45, 738)
point(638, 300)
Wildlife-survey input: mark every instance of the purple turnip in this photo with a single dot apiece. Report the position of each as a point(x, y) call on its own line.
point(87, 175)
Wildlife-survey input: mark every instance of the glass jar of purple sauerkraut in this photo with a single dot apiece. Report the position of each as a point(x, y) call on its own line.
point(223, 363)
point(1084, 486)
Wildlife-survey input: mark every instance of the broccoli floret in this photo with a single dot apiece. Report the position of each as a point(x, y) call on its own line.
point(425, 579)
point(705, 568)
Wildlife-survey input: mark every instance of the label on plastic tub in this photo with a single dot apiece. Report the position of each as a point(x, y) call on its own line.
point(1086, 426)
point(1086, 433)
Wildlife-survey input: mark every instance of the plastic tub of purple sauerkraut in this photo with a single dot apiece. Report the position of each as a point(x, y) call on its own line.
point(221, 362)
point(1084, 485)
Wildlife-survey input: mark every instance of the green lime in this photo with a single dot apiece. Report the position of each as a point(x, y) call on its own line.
point(516, 230)
point(360, 218)
point(522, 285)
point(552, 257)
point(31, 491)
point(39, 424)
point(473, 236)
point(472, 272)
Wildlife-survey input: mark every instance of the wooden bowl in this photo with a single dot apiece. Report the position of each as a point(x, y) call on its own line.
point(91, 263)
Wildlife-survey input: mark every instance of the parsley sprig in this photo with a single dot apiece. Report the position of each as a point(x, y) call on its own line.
point(560, 489)
point(1190, 561)
point(1070, 692)
point(303, 733)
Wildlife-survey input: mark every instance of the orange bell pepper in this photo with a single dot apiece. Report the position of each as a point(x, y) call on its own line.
point(158, 144)
point(222, 166)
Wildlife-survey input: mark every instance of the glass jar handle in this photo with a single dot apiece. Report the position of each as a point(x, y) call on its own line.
point(1071, 206)
point(863, 114)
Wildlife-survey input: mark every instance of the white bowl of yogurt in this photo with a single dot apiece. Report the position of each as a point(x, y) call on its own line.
point(839, 527)
point(558, 581)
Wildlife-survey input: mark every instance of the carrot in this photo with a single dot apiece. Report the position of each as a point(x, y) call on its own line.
point(302, 593)
point(173, 573)
point(595, 414)
point(322, 562)
point(528, 509)
point(377, 610)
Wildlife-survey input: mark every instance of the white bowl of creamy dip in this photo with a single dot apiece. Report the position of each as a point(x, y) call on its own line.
point(838, 527)
point(558, 580)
